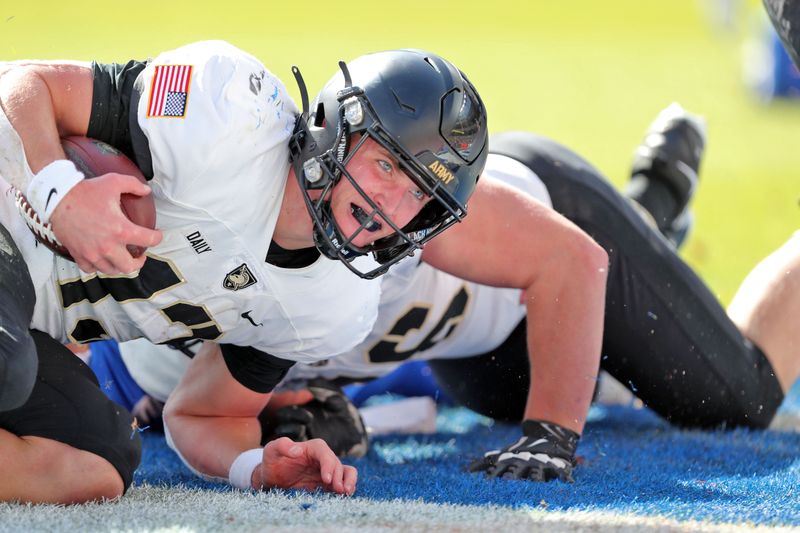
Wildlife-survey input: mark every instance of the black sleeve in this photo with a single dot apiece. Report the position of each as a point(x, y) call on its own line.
point(256, 370)
point(115, 98)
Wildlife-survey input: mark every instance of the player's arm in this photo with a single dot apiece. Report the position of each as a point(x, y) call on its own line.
point(42, 102)
point(509, 239)
point(211, 419)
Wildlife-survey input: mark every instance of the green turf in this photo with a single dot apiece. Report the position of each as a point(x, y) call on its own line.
point(591, 74)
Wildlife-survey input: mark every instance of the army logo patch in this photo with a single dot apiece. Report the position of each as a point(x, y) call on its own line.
point(239, 278)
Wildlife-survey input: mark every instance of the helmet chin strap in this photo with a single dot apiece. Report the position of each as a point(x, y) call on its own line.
point(332, 234)
point(343, 244)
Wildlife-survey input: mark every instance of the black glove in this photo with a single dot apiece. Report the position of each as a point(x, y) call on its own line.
point(329, 416)
point(545, 452)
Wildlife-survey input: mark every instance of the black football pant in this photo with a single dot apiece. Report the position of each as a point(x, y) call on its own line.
point(45, 390)
point(666, 336)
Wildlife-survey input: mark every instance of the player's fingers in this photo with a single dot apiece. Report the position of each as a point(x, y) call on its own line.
point(84, 265)
point(350, 478)
point(143, 410)
point(283, 446)
point(107, 258)
point(337, 479)
point(562, 474)
point(327, 460)
point(496, 471)
point(479, 465)
point(122, 261)
point(140, 235)
point(517, 471)
point(153, 409)
point(125, 183)
point(106, 267)
point(538, 473)
point(136, 262)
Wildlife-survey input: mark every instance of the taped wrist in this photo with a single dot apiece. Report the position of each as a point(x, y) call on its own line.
point(552, 439)
point(240, 474)
point(50, 185)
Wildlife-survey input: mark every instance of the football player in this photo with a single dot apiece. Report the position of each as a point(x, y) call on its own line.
point(274, 224)
point(666, 337)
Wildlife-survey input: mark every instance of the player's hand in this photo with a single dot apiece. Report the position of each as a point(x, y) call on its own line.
point(329, 415)
point(545, 452)
point(304, 465)
point(90, 223)
point(147, 410)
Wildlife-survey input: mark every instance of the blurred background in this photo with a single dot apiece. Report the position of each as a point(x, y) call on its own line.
point(589, 74)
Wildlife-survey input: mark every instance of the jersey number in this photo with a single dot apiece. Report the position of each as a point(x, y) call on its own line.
point(155, 276)
point(385, 350)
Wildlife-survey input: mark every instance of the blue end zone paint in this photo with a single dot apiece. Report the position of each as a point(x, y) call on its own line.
point(633, 462)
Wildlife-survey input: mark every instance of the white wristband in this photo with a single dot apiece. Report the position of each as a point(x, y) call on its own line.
point(241, 472)
point(50, 185)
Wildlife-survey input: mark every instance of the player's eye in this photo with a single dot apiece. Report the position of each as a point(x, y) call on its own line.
point(385, 165)
point(418, 195)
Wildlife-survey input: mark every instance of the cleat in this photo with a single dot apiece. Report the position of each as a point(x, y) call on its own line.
point(668, 160)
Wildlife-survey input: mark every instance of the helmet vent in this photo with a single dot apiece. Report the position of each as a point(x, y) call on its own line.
point(407, 108)
point(429, 61)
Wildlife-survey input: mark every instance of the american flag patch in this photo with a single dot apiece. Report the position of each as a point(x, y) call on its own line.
point(169, 91)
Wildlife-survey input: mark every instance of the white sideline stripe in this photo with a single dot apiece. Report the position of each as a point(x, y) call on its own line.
point(177, 509)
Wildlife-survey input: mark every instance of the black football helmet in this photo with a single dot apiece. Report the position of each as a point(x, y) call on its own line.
point(425, 113)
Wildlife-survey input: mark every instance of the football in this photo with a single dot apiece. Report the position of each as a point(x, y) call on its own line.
point(95, 158)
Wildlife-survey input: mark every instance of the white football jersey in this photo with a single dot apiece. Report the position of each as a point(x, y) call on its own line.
point(428, 314)
point(424, 314)
point(218, 124)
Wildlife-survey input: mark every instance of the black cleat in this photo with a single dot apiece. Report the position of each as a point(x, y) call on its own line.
point(664, 173)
